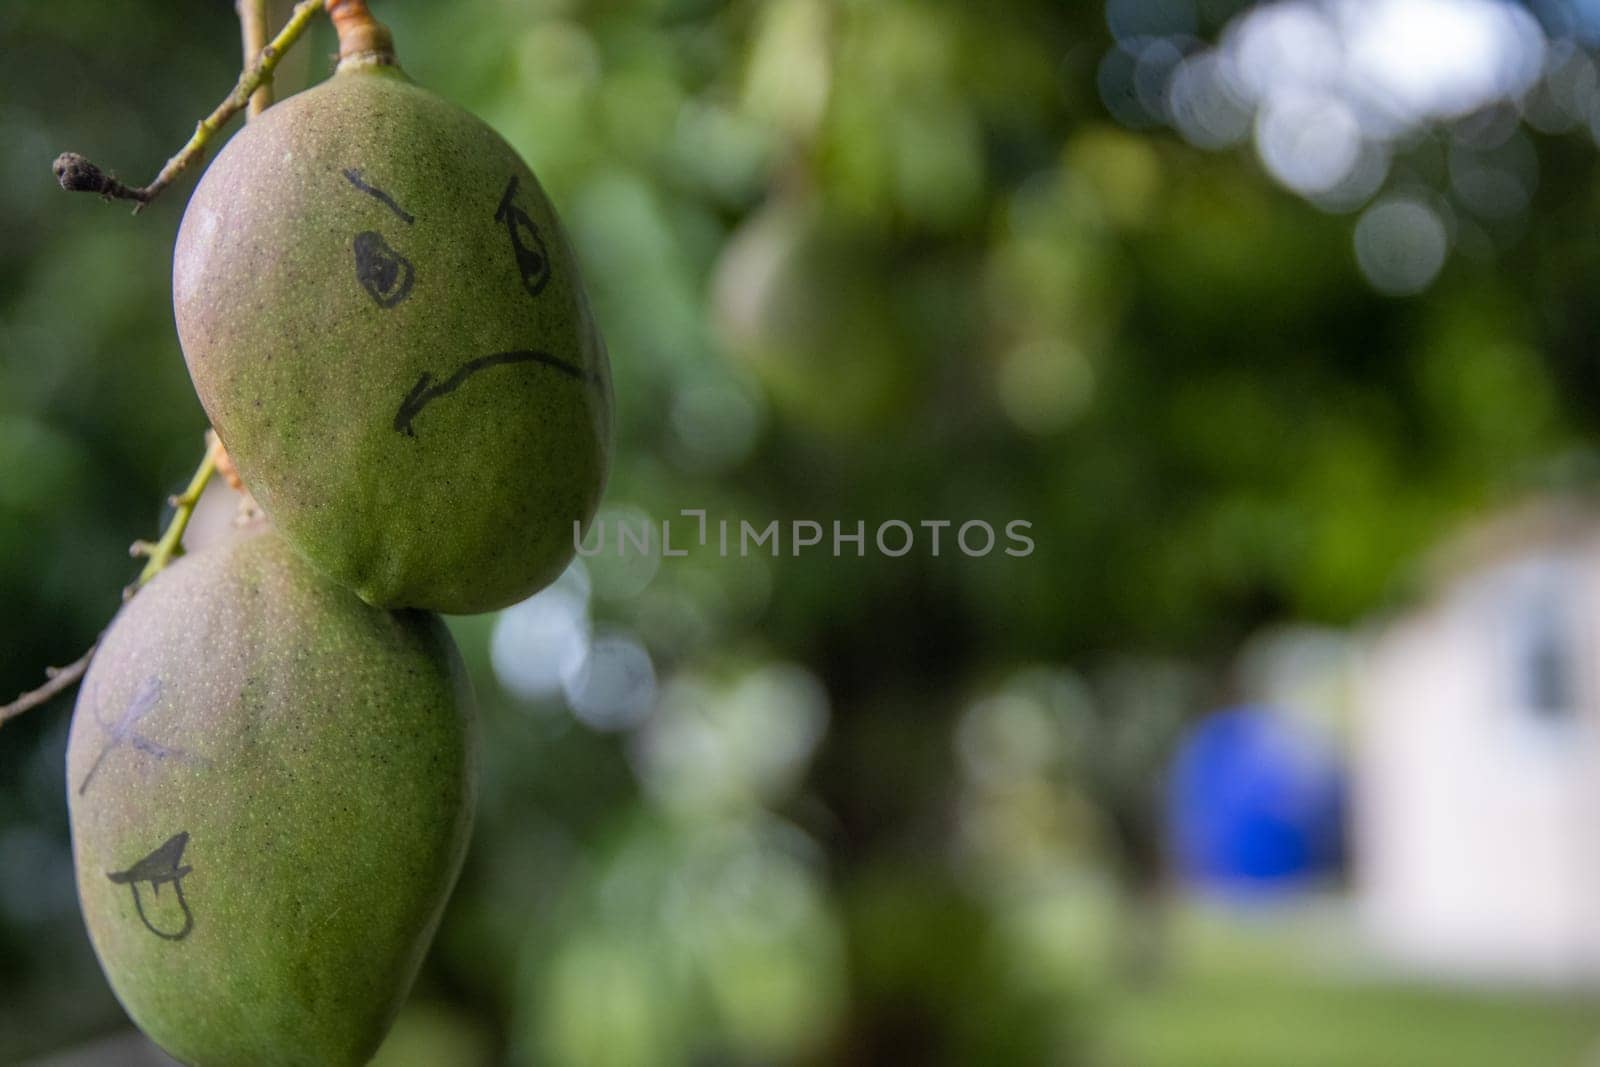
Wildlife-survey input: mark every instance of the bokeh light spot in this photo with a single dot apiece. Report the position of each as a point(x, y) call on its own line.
point(1400, 245)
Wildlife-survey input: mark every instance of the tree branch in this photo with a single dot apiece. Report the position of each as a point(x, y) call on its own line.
point(170, 547)
point(253, 35)
point(61, 679)
point(160, 554)
point(77, 174)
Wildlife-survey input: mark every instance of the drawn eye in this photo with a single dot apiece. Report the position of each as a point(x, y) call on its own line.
point(531, 258)
point(527, 244)
point(385, 274)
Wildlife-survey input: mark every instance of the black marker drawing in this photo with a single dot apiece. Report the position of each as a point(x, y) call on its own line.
point(533, 262)
point(161, 867)
point(353, 176)
point(385, 274)
point(122, 731)
point(425, 392)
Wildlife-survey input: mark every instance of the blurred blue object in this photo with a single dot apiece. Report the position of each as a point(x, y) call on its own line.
point(1255, 803)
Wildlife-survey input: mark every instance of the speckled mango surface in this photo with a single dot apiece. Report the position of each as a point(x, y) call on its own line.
point(270, 785)
point(386, 325)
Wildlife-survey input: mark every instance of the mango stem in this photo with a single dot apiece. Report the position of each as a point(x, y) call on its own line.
point(170, 547)
point(363, 40)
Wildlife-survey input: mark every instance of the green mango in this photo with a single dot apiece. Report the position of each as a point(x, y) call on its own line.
point(271, 787)
point(386, 324)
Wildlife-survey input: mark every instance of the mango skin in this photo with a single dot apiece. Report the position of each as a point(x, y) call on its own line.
point(310, 311)
point(318, 754)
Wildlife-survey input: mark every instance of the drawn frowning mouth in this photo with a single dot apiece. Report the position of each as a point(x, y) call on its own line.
point(426, 391)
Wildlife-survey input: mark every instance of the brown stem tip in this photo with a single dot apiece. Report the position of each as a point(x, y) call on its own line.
point(77, 174)
point(362, 38)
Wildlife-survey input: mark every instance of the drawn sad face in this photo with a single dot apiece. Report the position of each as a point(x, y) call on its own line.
point(387, 277)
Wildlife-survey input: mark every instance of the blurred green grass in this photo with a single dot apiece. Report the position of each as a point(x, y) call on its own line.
point(1248, 994)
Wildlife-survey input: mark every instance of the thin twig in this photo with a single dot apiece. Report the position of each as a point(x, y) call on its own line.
point(77, 174)
point(162, 553)
point(61, 679)
point(170, 547)
point(253, 34)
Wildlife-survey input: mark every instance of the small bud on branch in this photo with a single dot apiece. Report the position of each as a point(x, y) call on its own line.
point(77, 174)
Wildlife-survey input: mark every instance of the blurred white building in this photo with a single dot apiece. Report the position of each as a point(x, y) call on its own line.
point(1477, 763)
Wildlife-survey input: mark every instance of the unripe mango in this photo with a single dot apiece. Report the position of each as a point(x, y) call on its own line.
point(385, 322)
point(270, 785)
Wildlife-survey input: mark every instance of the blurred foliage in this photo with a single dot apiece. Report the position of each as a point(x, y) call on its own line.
point(855, 260)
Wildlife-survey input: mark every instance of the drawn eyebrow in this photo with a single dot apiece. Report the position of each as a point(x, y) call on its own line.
point(426, 392)
point(353, 176)
point(122, 732)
